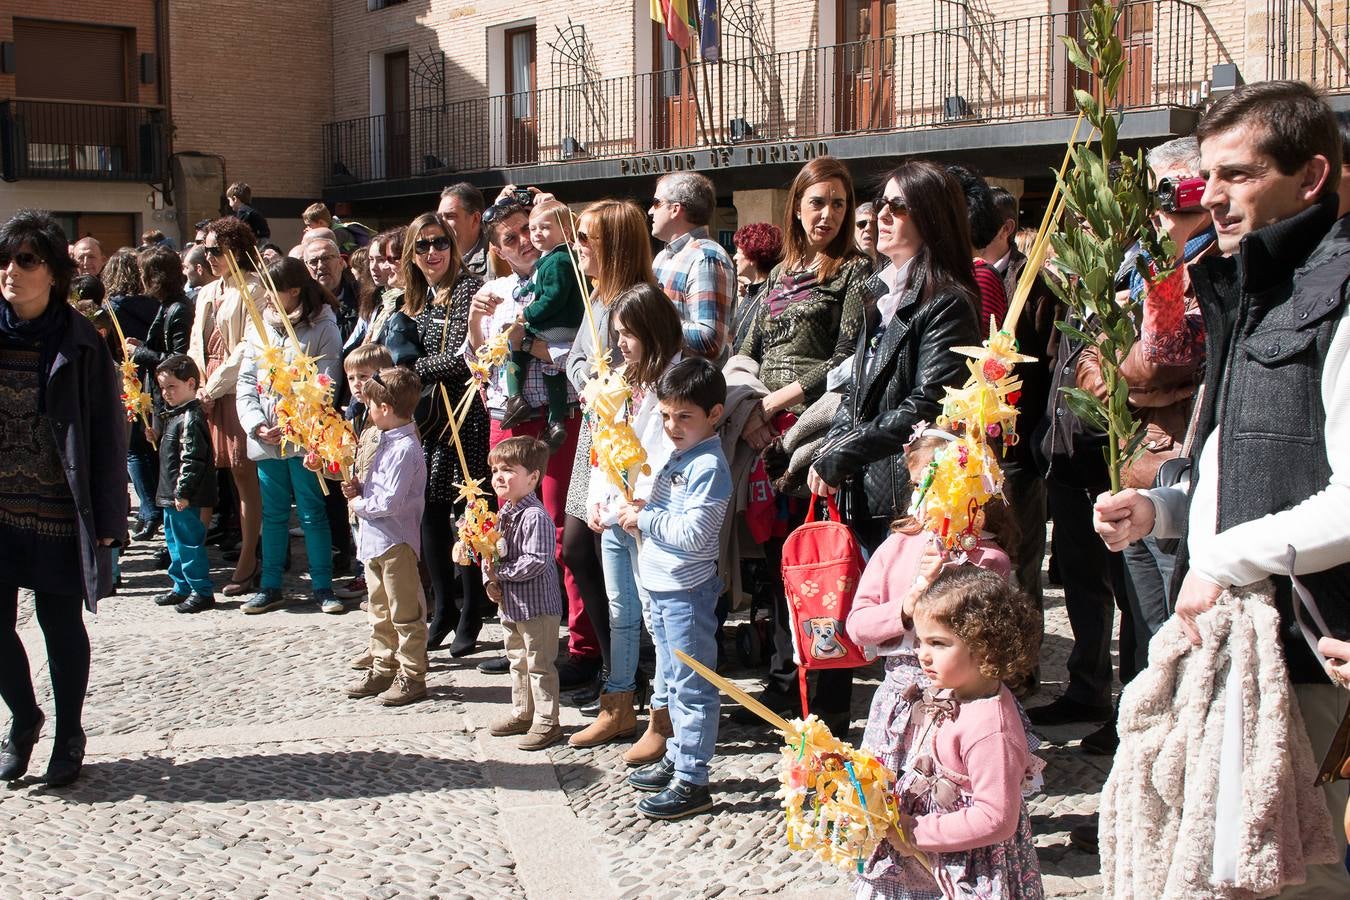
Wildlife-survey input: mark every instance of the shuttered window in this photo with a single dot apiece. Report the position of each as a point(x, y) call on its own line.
point(62, 61)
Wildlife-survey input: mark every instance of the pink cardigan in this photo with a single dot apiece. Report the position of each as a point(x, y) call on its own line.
point(874, 619)
point(986, 748)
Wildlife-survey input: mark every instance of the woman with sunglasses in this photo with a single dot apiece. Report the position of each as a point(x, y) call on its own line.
point(438, 295)
point(808, 321)
point(903, 358)
point(63, 485)
point(217, 333)
point(615, 251)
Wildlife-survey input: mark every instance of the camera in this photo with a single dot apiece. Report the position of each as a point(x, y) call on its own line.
point(1177, 195)
point(523, 196)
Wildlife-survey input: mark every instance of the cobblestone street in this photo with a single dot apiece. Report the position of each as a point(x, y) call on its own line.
point(224, 760)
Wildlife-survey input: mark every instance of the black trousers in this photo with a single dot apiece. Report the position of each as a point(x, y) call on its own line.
point(1094, 586)
point(457, 593)
point(581, 555)
point(61, 617)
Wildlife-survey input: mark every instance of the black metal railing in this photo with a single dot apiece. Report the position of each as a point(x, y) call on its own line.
point(1309, 40)
point(996, 71)
point(98, 141)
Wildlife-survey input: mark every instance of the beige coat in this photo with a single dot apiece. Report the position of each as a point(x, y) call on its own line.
point(221, 301)
point(1191, 766)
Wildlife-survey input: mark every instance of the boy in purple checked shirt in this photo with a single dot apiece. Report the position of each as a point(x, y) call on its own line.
point(524, 583)
point(388, 507)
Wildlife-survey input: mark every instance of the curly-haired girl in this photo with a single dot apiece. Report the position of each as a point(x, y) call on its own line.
point(961, 793)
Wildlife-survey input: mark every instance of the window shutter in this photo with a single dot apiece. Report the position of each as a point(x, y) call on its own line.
point(62, 61)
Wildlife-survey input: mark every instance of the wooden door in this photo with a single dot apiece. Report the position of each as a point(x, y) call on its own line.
point(522, 126)
point(674, 107)
point(397, 120)
point(1135, 28)
point(865, 95)
point(112, 230)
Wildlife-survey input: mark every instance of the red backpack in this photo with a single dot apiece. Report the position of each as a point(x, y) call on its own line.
point(822, 563)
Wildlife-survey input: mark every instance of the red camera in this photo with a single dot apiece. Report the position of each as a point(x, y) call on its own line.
point(1180, 194)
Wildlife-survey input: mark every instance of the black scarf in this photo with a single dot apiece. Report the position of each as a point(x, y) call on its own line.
point(44, 333)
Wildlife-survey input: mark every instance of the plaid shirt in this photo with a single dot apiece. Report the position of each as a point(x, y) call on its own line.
point(699, 277)
point(528, 572)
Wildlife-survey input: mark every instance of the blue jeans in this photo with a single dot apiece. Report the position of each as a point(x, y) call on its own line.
point(687, 620)
point(281, 481)
point(143, 468)
point(629, 603)
point(185, 536)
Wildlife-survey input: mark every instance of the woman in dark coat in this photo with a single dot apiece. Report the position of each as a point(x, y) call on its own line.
point(63, 485)
point(903, 359)
point(438, 294)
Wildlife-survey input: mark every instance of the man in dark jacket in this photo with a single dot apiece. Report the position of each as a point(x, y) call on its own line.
point(1272, 447)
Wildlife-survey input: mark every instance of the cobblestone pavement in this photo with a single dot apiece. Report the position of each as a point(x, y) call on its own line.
point(225, 761)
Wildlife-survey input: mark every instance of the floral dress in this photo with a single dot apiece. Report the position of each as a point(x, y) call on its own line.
point(1008, 870)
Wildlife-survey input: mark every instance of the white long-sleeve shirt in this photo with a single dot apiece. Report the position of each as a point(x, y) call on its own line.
point(1318, 528)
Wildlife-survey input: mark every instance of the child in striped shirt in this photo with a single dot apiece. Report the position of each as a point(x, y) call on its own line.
point(678, 528)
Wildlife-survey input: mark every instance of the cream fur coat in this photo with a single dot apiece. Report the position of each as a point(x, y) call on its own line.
point(1188, 814)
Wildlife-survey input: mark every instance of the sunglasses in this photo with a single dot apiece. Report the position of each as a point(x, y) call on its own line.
point(657, 203)
point(583, 238)
point(213, 251)
point(423, 247)
point(501, 209)
point(27, 261)
point(896, 205)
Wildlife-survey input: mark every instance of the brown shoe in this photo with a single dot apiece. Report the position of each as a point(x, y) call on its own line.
point(369, 684)
point(508, 725)
point(616, 720)
point(540, 736)
point(652, 745)
point(404, 690)
point(364, 661)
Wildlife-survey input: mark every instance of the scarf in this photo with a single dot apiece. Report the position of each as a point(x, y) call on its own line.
point(44, 333)
point(791, 287)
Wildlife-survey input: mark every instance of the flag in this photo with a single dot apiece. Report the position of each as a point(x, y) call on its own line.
point(709, 30)
point(679, 23)
point(657, 13)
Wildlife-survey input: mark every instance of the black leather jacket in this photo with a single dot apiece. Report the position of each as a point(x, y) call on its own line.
point(902, 386)
point(186, 461)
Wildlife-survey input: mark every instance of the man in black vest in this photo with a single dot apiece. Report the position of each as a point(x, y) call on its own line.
point(1271, 461)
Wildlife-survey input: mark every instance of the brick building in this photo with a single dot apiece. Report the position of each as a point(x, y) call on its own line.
point(130, 115)
point(591, 98)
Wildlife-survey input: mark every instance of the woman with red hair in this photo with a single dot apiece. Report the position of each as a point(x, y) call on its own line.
point(759, 247)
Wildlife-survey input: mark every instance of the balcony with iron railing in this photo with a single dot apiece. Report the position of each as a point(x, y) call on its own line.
point(1309, 40)
point(1002, 71)
point(59, 139)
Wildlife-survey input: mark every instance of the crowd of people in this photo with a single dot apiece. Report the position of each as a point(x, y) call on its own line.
point(810, 363)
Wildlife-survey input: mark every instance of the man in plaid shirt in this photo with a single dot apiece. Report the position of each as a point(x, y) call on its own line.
point(693, 269)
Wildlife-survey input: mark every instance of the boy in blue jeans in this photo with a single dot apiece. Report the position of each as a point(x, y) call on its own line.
point(679, 527)
point(187, 483)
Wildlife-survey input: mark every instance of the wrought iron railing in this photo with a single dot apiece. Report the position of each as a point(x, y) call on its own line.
point(97, 141)
point(997, 71)
point(1309, 40)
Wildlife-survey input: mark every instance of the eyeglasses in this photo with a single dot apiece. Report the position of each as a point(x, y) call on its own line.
point(896, 205)
point(583, 238)
point(213, 251)
point(27, 261)
point(319, 262)
point(501, 209)
point(863, 223)
point(423, 247)
point(657, 203)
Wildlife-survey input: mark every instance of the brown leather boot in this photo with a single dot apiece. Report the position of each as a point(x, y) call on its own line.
point(617, 720)
point(652, 745)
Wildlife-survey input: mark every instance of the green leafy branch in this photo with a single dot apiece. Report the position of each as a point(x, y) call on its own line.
point(1110, 197)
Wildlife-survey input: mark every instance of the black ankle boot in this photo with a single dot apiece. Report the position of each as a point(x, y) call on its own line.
point(17, 749)
point(66, 762)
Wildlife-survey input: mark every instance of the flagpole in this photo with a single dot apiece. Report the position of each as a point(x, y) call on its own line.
point(698, 107)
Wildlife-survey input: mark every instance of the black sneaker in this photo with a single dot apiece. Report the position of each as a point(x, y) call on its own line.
point(1063, 711)
point(170, 598)
point(498, 665)
point(677, 801)
point(265, 600)
point(555, 435)
point(196, 603)
point(163, 560)
point(145, 531)
point(653, 777)
point(577, 671)
point(516, 411)
point(1102, 742)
